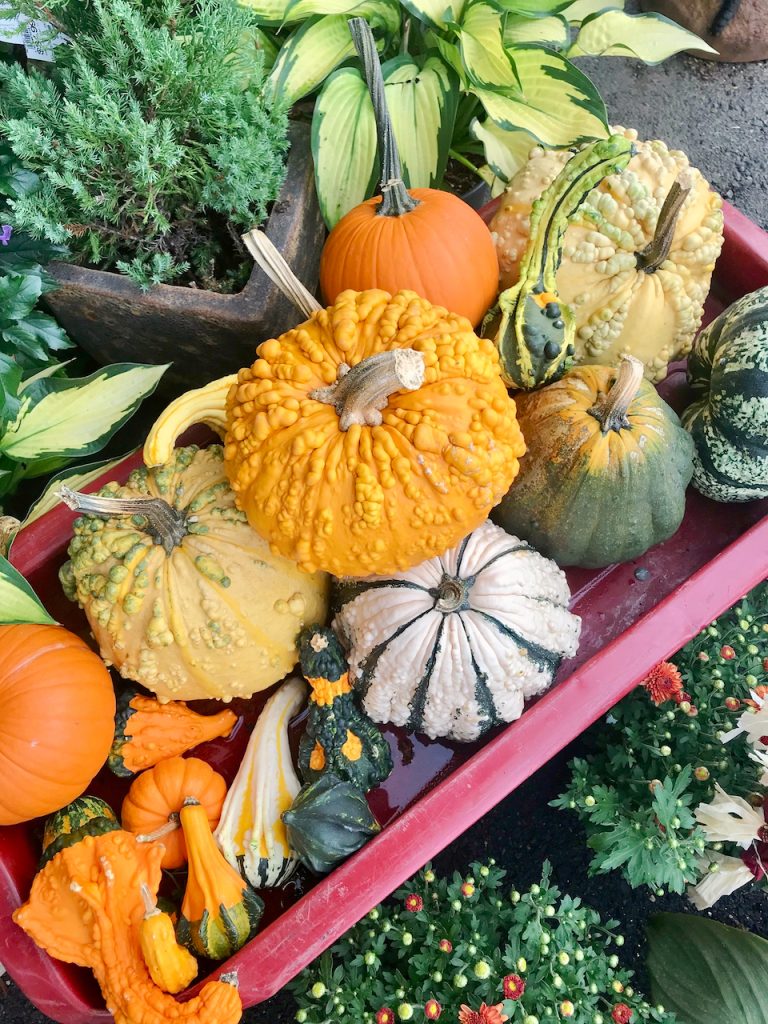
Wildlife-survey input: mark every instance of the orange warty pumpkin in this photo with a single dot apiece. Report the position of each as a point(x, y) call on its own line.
point(57, 710)
point(425, 240)
point(155, 798)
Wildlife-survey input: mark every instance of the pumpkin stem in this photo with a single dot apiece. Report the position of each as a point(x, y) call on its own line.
point(611, 409)
point(166, 525)
point(362, 391)
point(395, 197)
point(274, 265)
point(163, 830)
point(653, 255)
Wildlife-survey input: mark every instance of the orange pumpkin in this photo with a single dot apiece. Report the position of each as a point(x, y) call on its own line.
point(57, 710)
point(425, 240)
point(151, 808)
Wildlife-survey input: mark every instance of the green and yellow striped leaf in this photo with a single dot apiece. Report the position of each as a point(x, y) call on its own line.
point(557, 105)
point(64, 418)
point(307, 57)
point(553, 31)
point(18, 601)
point(505, 151)
point(422, 97)
point(438, 13)
point(343, 144)
point(76, 478)
point(578, 10)
point(649, 37)
point(268, 12)
point(485, 59)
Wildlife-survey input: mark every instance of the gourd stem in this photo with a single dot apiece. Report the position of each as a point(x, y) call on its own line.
point(611, 410)
point(451, 594)
point(395, 198)
point(163, 830)
point(150, 904)
point(362, 391)
point(166, 525)
point(653, 255)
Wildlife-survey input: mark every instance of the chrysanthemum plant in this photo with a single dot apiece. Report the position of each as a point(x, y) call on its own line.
point(473, 950)
point(481, 81)
point(674, 795)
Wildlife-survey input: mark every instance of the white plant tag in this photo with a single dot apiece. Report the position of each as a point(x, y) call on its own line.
point(38, 42)
point(11, 28)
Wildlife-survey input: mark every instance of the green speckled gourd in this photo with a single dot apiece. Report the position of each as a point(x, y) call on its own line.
point(86, 816)
point(339, 737)
point(728, 372)
point(533, 329)
point(606, 469)
point(181, 594)
point(329, 821)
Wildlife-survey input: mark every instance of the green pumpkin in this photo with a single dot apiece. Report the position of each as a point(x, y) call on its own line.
point(728, 373)
point(329, 820)
point(606, 469)
point(339, 737)
point(86, 816)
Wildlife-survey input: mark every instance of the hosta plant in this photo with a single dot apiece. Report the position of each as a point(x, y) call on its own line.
point(474, 950)
point(673, 795)
point(153, 147)
point(481, 81)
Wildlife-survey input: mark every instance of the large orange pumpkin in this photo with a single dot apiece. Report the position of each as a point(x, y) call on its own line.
point(57, 711)
point(426, 241)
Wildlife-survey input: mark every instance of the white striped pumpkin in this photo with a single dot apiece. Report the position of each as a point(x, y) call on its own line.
point(456, 645)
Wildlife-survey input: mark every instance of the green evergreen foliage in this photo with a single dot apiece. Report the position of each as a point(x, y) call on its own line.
point(151, 155)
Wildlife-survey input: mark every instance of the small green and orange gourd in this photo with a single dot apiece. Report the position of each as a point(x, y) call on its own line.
point(606, 470)
point(339, 738)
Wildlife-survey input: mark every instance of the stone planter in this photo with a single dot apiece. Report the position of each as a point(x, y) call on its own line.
point(203, 334)
point(737, 29)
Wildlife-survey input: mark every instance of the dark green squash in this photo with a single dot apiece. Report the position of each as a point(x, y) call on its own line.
point(86, 816)
point(728, 420)
point(606, 469)
point(330, 819)
point(339, 737)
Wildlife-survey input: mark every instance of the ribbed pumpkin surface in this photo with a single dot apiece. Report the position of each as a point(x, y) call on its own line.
point(56, 719)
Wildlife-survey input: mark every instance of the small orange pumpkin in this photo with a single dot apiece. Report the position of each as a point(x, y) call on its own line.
point(57, 710)
point(426, 240)
point(151, 808)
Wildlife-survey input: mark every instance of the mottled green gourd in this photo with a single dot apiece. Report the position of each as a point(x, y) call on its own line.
point(329, 821)
point(533, 331)
point(728, 373)
point(86, 816)
point(181, 594)
point(339, 737)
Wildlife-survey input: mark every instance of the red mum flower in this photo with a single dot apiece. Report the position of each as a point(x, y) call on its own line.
point(414, 902)
point(485, 1015)
point(432, 1009)
point(621, 1014)
point(514, 986)
point(727, 652)
point(446, 945)
point(385, 1016)
point(664, 682)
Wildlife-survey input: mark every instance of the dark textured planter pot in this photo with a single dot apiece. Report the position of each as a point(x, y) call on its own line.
point(203, 334)
point(737, 29)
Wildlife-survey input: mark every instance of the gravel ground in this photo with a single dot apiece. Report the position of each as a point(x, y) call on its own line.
point(718, 115)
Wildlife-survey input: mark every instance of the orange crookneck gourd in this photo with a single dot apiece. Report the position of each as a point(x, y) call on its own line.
point(375, 435)
point(86, 908)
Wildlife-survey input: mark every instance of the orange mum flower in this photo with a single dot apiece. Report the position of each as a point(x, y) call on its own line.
point(664, 682)
point(485, 1015)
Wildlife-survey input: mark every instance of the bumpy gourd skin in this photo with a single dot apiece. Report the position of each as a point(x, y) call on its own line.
point(86, 908)
point(619, 308)
point(218, 617)
point(371, 499)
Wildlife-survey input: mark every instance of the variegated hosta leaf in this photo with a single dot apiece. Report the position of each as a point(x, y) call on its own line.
point(553, 31)
point(436, 12)
point(422, 97)
point(494, 183)
point(482, 48)
point(77, 478)
point(578, 10)
point(649, 37)
point(268, 12)
point(298, 10)
point(558, 104)
point(505, 151)
point(63, 418)
point(535, 8)
point(343, 144)
point(18, 601)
